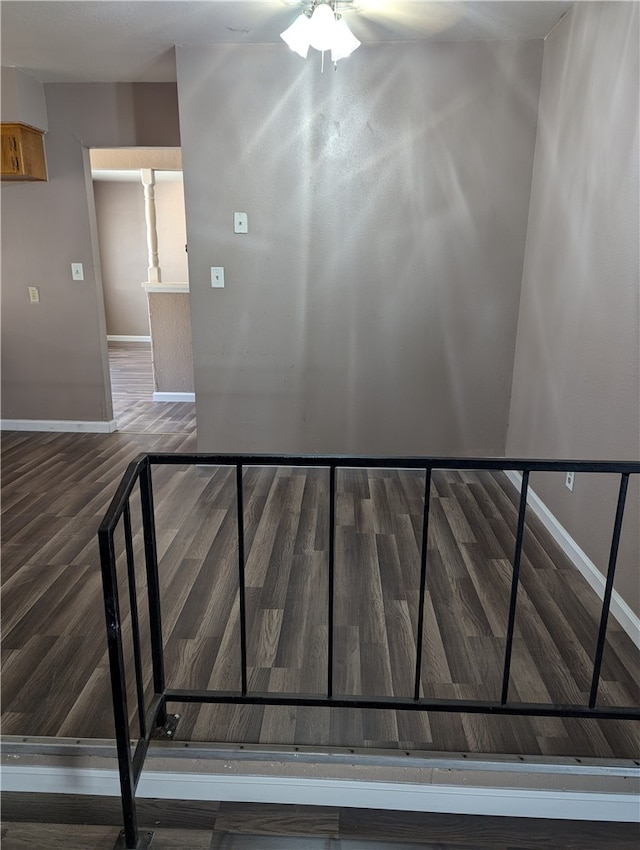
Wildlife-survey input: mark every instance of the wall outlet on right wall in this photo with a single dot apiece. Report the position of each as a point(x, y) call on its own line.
point(569, 481)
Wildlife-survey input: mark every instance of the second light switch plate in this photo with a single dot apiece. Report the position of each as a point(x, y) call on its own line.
point(240, 222)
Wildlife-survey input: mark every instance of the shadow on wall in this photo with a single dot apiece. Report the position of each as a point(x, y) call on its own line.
point(152, 115)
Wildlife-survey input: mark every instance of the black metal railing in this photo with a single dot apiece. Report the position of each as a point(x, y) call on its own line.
point(153, 716)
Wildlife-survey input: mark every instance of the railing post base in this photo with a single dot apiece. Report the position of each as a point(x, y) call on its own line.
point(168, 730)
point(144, 841)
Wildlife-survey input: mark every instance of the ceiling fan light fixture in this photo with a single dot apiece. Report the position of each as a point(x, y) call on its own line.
point(344, 41)
point(324, 29)
point(297, 36)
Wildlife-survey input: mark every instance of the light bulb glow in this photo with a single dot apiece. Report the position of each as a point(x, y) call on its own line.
point(344, 41)
point(323, 25)
point(297, 35)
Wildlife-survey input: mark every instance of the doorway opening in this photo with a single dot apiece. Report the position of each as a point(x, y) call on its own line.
point(141, 231)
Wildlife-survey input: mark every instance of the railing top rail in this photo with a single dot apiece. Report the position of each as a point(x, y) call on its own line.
point(120, 497)
point(350, 461)
point(395, 462)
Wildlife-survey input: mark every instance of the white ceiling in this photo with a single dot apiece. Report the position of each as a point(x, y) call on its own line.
point(133, 40)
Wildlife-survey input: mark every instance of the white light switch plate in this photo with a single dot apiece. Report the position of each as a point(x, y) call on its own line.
point(240, 222)
point(77, 272)
point(217, 277)
point(34, 294)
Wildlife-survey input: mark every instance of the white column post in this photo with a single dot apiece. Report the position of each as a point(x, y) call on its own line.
point(149, 181)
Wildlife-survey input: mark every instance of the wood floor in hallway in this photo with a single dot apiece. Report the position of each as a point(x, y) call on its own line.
point(65, 822)
point(55, 682)
point(132, 383)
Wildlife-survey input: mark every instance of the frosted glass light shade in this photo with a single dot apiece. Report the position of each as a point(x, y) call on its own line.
point(344, 41)
point(323, 31)
point(323, 27)
point(297, 36)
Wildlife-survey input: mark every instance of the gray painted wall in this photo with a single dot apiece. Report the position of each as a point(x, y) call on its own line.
point(123, 248)
point(171, 342)
point(372, 307)
point(577, 367)
point(172, 230)
point(123, 256)
point(54, 359)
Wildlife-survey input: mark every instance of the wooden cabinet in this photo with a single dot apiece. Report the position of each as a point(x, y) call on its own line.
point(22, 153)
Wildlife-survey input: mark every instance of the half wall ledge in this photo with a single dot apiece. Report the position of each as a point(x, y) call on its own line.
point(178, 286)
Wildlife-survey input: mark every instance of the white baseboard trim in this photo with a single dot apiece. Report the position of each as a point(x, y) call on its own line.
point(60, 425)
point(629, 621)
point(465, 799)
point(174, 396)
point(124, 338)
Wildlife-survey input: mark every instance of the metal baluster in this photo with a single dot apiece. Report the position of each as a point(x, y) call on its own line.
point(153, 587)
point(423, 581)
point(332, 540)
point(243, 612)
point(608, 590)
point(514, 587)
point(118, 686)
point(135, 624)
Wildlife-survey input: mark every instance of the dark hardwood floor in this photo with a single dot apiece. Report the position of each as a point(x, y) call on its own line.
point(56, 488)
point(66, 822)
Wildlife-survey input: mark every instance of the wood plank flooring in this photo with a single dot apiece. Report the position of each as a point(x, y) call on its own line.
point(132, 385)
point(86, 823)
point(55, 490)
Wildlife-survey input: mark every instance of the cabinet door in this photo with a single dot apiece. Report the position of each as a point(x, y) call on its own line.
point(10, 152)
